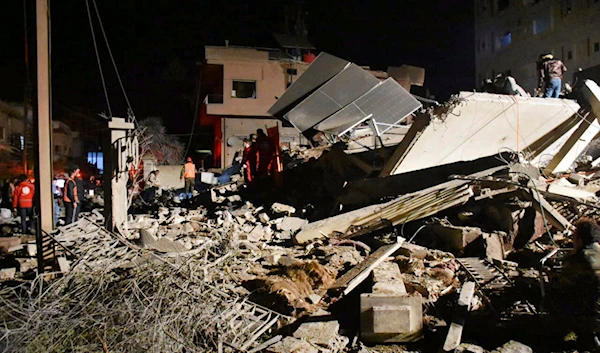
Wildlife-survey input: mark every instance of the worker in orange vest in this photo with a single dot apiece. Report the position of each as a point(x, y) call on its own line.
point(23, 201)
point(188, 172)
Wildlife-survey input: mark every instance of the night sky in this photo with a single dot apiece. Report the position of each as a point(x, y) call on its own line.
point(156, 45)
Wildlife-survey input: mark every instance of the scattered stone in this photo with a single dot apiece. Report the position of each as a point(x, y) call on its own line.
point(264, 218)
point(281, 208)
point(292, 224)
point(63, 264)
point(7, 273)
point(320, 333)
point(292, 345)
point(513, 347)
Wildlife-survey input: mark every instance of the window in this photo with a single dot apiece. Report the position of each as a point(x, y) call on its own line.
point(243, 89)
point(505, 40)
point(596, 47)
point(566, 7)
point(2, 133)
point(541, 24)
point(56, 149)
point(22, 142)
point(503, 4)
point(570, 55)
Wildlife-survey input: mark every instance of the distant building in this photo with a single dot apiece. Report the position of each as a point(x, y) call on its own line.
point(510, 35)
point(239, 86)
point(12, 127)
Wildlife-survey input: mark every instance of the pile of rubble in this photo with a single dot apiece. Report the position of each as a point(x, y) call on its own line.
point(443, 242)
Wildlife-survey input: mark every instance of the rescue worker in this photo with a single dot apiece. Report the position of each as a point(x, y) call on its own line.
point(80, 195)
point(70, 196)
point(23, 202)
point(265, 152)
point(249, 161)
point(576, 293)
point(151, 186)
point(188, 172)
point(551, 74)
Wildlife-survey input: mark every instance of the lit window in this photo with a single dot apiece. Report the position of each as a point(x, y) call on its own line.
point(505, 40)
point(243, 89)
point(22, 142)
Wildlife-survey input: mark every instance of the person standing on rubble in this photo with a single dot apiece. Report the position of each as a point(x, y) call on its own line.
point(576, 293)
point(70, 196)
point(80, 195)
point(8, 190)
point(152, 186)
point(23, 202)
point(551, 74)
point(188, 172)
point(266, 151)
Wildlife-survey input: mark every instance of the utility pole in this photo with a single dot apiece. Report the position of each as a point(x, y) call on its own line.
point(27, 93)
point(43, 170)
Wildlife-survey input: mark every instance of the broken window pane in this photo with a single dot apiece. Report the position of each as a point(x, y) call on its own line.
point(243, 89)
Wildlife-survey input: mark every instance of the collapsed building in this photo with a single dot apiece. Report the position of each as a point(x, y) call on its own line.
point(439, 234)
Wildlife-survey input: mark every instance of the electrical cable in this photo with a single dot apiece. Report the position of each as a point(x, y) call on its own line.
point(87, 5)
point(111, 56)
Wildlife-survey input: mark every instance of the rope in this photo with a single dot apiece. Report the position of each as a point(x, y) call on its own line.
point(87, 5)
point(111, 55)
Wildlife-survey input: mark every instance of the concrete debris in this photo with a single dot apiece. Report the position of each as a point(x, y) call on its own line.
point(455, 230)
point(290, 344)
point(320, 332)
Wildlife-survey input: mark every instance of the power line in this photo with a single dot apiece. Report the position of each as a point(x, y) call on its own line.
point(87, 5)
point(111, 55)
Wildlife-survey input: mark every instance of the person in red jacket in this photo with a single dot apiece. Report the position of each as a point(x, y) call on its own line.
point(249, 161)
point(23, 202)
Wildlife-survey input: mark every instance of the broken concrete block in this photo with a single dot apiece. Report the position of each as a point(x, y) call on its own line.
point(388, 279)
point(7, 273)
point(494, 245)
point(264, 218)
point(389, 318)
point(291, 344)
point(234, 198)
point(31, 249)
point(10, 242)
point(319, 333)
point(513, 347)
point(413, 251)
point(63, 264)
point(292, 224)
point(314, 298)
point(456, 237)
point(149, 235)
point(281, 208)
point(257, 234)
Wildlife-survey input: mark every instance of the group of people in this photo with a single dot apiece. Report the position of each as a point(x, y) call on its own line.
point(68, 189)
point(258, 157)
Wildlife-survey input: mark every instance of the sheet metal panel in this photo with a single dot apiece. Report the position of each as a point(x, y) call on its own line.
point(338, 92)
point(387, 103)
point(320, 71)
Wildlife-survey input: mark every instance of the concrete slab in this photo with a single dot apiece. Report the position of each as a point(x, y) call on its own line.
point(320, 332)
point(456, 237)
point(7, 273)
point(482, 125)
point(388, 279)
point(292, 224)
point(385, 318)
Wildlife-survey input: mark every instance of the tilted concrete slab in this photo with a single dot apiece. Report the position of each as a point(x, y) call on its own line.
point(481, 125)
